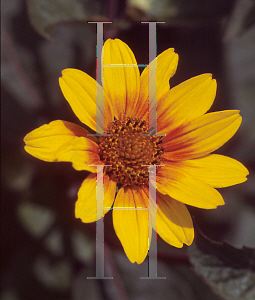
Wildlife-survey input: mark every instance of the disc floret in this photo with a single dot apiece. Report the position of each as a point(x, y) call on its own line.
point(128, 149)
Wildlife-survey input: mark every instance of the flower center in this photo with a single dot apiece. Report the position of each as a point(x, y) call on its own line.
point(129, 150)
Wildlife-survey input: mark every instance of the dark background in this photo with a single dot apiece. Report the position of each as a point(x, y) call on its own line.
point(47, 253)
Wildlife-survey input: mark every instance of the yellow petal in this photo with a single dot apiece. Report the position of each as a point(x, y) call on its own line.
point(174, 223)
point(181, 186)
point(166, 67)
point(120, 77)
point(185, 102)
point(45, 141)
point(84, 94)
point(131, 226)
point(86, 205)
point(217, 170)
point(81, 152)
point(202, 135)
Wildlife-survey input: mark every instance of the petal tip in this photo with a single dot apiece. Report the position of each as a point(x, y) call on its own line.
point(221, 202)
point(190, 238)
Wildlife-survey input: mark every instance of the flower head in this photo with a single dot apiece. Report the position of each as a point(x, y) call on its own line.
point(189, 174)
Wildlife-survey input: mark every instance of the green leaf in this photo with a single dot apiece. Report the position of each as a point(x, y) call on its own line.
point(46, 14)
point(229, 271)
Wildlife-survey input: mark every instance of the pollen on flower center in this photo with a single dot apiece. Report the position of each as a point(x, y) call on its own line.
point(127, 149)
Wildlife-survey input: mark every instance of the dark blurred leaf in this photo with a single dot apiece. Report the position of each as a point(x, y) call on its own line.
point(241, 19)
point(56, 276)
point(180, 284)
point(46, 14)
point(83, 246)
point(178, 11)
point(35, 218)
point(227, 270)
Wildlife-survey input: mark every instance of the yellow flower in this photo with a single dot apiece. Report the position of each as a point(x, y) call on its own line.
point(190, 173)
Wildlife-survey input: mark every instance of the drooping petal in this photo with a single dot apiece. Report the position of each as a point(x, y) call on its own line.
point(46, 141)
point(202, 135)
point(165, 65)
point(178, 184)
point(86, 98)
point(86, 205)
point(131, 225)
point(120, 77)
point(174, 223)
point(185, 102)
point(217, 170)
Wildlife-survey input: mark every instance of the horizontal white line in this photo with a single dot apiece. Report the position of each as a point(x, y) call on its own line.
point(124, 65)
point(126, 208)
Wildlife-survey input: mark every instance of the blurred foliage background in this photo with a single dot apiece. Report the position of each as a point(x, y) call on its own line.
point(46, 252)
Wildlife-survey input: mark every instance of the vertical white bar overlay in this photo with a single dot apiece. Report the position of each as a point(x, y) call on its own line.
point(152, 131)
point(99, 100)
point(100, 225)
point(152, 77)
point(152, 263)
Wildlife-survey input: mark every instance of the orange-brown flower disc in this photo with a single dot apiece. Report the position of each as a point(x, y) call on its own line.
point(128, 149)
